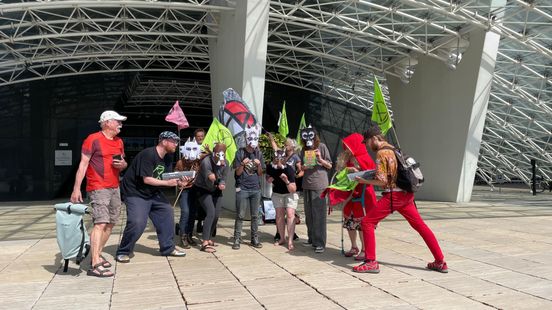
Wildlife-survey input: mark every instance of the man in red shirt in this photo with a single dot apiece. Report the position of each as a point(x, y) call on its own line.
point(102, 160)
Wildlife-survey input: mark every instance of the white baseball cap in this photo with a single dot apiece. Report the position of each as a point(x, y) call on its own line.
point(107, 115)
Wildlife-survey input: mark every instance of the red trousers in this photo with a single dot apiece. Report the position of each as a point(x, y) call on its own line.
point(403, 203)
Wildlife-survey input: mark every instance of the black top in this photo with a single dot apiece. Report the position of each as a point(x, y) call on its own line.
point(207, 167)
point(279, 186)
point(249, 179)
point(146, 164)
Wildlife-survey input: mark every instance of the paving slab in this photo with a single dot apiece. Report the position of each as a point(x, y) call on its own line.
point(498, 248)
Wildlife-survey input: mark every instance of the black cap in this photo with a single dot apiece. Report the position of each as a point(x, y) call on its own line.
point(374, 130)
point(169, 135)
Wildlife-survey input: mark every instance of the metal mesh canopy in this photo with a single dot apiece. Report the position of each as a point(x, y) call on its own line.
point(332, 48)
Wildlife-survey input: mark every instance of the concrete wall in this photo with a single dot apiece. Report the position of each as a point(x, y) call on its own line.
point(440, 114)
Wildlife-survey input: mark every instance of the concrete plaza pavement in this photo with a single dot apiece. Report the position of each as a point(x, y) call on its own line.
point(498, 247)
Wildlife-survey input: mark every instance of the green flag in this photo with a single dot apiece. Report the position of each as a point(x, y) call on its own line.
point(343, 183)
point(218, 133)
point(380, 114)
point(302, 125)
point(283, 128)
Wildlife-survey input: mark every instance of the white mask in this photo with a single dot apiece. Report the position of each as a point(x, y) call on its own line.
point(219, 158)
point(190, 150)
point(252, 135)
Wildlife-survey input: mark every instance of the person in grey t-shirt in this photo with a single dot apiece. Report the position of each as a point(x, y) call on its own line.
point(249, 165)
point(316, 162)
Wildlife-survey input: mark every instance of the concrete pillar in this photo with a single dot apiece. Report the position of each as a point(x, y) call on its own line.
point(238, 60)
point(238, 54)
point(440, 114)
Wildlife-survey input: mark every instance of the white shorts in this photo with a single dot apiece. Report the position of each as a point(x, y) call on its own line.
point(285, 200)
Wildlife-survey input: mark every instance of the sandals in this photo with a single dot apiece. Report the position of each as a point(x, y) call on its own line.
point(207, 248)
point(352, 252)
point(361, 256)
point(95, 271)
point(105, 263)
point(367, 267)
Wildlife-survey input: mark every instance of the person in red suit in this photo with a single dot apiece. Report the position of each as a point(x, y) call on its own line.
point(355, 158)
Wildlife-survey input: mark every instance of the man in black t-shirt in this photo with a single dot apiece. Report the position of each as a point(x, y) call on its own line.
point(141, 192)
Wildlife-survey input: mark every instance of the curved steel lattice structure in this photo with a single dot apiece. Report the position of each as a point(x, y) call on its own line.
point(328, 47)
point(45, 39)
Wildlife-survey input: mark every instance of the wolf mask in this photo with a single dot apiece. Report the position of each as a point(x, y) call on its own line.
point(252, 135)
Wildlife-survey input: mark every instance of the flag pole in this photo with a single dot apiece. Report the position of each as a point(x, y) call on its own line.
point(395, 135)
point(179, 139)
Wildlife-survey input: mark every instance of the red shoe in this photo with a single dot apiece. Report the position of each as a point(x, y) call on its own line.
point(367, 267)
point(352, 252)
point(438, 266)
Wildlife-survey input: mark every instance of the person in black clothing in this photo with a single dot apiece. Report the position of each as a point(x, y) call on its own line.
point(141, 192)
point(284, 196)
point(208, 187)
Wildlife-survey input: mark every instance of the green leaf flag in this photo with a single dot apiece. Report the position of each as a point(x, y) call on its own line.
point(302, 125)
point(283, 128)
point(219, 133)
point(380, 114)
point(343, 183)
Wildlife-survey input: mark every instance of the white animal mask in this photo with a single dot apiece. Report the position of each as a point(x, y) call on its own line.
point(219, 158)
point(252, 135)
point(190, 150)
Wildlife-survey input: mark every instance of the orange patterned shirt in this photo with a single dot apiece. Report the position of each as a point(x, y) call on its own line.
point(386, 167)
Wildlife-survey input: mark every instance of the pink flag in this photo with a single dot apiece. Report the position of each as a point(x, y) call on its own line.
point(177, 116)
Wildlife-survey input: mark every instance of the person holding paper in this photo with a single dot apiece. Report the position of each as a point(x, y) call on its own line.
point(356, 158)
point(190, 161)
point(315, 164)
point(141, 192)
point(393, 199)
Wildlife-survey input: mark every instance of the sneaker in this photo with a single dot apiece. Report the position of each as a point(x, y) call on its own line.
point(319, 249)
point(438, 266)
point(367, 267)
point(257, 244)
point(236, 246)
point(177, 253)
point(307, 244)
point(122, 259)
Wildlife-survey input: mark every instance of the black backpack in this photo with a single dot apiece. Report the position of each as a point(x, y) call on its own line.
point(409, 175)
